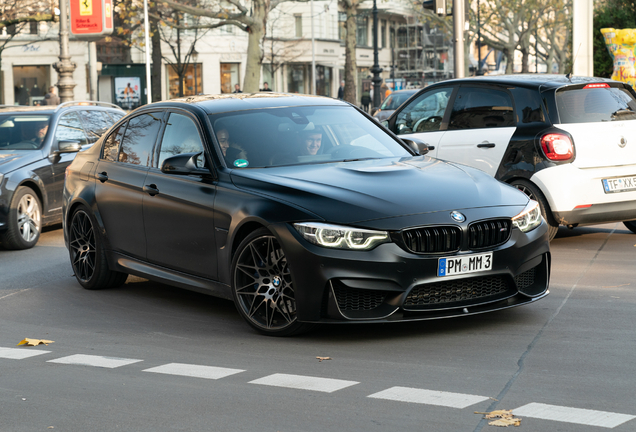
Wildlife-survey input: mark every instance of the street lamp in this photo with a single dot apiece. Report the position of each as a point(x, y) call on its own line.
point(375, 69)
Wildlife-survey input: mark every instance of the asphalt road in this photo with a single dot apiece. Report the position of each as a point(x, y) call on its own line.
point(149, 357)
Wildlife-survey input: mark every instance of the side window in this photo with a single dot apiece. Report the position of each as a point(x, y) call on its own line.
point(139, 139)
point(476, 108)
point(425, 113)
point(111, 145)
point(180, 136)
point(96, 123)
point(528, 106)
point(69, 128)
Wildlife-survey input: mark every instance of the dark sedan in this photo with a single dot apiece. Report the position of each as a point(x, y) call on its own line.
point(302, 210)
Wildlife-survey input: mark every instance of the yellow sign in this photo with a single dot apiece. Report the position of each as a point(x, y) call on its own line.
point(86, 7)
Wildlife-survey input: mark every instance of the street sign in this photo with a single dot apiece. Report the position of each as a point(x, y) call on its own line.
point(91, 19)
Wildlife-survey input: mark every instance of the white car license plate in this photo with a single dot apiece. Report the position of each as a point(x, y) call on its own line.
point(464, 264)
point(619, 184)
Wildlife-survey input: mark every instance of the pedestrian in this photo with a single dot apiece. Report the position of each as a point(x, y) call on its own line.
point(365, 101)
point(388, 90)
point(237, 89)
point(51, 98)
point(266, 87)
point(341, 91)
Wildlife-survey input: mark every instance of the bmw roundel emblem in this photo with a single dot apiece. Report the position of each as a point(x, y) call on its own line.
point(457, 216)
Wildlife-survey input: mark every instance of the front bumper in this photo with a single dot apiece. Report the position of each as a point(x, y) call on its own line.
point(390, 284)
point(566, 187)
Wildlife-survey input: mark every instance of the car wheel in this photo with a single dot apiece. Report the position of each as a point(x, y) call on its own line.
point(631, 225)
point(262, 286)
point(24, 222)
point(87, 254)
point(534, 193)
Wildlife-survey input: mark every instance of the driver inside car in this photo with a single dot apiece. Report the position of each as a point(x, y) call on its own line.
point(311, 142)
point(36, 137)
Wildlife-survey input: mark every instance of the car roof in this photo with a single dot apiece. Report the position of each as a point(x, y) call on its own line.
point(214, 104)
point(542, 81)
point(51, 109)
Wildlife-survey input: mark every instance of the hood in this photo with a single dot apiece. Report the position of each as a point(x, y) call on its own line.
point(11, 160)
point(355, 192)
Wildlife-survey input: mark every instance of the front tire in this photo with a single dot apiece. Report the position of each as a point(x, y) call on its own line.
point(25, 220)
point(630, 225)
point(534, 193)
point(262, 286)
point(88, 259)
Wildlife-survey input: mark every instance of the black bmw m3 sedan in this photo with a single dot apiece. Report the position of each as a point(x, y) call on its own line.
point(302, 210)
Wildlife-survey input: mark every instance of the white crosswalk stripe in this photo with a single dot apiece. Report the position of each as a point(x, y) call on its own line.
point(429, 397)
point(93, 360)
point(327, 385)
point(573, 415)
point(19, 353)
point(196, 371)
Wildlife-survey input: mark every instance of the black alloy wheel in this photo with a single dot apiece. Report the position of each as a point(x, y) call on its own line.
point(534, 193)
point(262, 286)
point(87, 254)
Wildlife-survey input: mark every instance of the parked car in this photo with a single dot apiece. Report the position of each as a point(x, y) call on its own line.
point(300, 209)
point(567, 142)
point(392, 102)
point(36, 146)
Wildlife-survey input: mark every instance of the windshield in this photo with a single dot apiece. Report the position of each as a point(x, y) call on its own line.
point(394, 100)
point(591, 105)
point(23, 132)
point(300, 135)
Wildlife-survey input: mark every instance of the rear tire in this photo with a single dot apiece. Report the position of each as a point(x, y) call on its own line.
point(24, 221)
point(88, 258)
point(262, 286)
point(534, 193)
point(630, 225)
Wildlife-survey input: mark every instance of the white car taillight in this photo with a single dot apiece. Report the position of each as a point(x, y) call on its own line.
point(557, 147)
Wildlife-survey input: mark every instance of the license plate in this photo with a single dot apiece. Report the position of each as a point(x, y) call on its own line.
point(464, 264)
point(619, 184)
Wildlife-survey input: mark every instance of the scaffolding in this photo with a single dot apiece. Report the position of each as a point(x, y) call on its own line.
point(423, 55)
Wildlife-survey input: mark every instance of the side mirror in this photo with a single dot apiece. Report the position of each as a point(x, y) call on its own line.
point(183, 164)
point(419, 147)
point(68, 146)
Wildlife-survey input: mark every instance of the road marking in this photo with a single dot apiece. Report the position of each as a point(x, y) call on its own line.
point(196, 371)
point(19, 353)
point(93, 360)
point(429, 397)
point(327, 385)
point(573, 415)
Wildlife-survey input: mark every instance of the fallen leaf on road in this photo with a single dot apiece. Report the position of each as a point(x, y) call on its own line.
point(34, 342)
point(323, 358)
point(504, 418)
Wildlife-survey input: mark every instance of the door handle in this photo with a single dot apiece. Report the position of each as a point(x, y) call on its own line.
point(102, 176)
point(486, 145)
point(151, 189)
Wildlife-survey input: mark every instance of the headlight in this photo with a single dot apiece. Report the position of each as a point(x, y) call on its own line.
point(340, 237)
point(529, 218)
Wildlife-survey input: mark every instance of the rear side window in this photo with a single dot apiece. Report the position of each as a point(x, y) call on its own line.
point(111, 145)
point(139, 139)
point(593, 105)
point(477, 108)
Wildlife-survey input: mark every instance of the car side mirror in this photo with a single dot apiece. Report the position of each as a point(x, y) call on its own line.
point(68, 146)
point(183, 164)
point(419, 147)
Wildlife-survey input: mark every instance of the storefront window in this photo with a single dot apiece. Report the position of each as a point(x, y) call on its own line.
point(323, 81)
point(296, 78)
point(191, 81)
point(31, 83)
point(229, 77)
